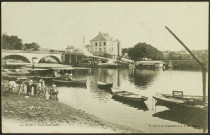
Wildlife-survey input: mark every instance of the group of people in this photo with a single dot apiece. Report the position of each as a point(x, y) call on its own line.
point(31, 88)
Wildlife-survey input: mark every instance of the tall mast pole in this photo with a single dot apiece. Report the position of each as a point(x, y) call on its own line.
point(199, 62)
point(83, 40)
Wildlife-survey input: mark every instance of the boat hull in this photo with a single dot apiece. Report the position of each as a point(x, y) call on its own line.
point(105, 87)
point(179, 104)
point(127, 97)
point(72, 83)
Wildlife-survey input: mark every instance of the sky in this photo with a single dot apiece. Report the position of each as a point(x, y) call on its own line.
point(55, 25)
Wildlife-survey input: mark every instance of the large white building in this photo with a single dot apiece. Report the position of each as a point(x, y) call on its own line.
point(103, 43)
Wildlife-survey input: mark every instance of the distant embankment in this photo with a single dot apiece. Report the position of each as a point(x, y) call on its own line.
point(185, 64)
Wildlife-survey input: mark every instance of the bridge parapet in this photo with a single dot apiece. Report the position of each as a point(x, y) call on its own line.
point(29, 51)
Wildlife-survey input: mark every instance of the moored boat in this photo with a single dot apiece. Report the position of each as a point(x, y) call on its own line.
point(183, 102)
point(108, 65)
point(70, 83)
point(128, 96)
point(104, 85)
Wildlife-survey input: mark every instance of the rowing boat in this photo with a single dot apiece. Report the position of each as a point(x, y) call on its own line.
point(128, 96)
point(104, 85)
point(185, 102)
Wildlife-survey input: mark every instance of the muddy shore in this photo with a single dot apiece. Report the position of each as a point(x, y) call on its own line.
point(38, 111)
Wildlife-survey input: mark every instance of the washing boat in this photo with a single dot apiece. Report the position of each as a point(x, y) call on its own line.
point(128, 96)
point(70, 82)
point(104, 85)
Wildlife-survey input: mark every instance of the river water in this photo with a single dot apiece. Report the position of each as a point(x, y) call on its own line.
point(147, 117)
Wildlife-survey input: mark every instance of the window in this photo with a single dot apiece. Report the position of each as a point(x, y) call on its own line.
point(95, 43)
point(104, 43)
point(99, 49)
point(99, 43)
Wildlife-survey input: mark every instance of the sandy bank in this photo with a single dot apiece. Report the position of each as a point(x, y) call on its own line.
point(34, 114)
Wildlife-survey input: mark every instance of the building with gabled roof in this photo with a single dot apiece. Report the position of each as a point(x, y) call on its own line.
point(105, 44)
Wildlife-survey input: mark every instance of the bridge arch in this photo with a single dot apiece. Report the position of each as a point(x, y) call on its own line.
point(49, 56)
point(16, 57)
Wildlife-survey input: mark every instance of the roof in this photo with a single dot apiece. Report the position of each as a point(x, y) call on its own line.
point(149, 62)
point(102, 37)
point(52, 66)
point(126, 60)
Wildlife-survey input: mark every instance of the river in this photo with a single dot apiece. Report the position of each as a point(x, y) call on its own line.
point(147, 118)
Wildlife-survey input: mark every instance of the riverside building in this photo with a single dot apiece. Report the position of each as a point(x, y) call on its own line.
point(105, 44)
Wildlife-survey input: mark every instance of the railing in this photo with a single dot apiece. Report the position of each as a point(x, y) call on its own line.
point(29, 51)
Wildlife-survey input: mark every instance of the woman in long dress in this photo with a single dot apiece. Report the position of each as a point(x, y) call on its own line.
point(47, 94)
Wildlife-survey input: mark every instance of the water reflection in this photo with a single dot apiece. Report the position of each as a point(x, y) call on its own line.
point(102, 75)
point(144, 78)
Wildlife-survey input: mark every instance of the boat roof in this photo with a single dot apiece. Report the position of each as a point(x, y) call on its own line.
point(149, 62)
point(53, 66)
point(38, 69)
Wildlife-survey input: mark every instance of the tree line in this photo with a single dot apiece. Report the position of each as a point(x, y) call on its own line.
point(177, 55)
point(15, 43)
point(143, 50)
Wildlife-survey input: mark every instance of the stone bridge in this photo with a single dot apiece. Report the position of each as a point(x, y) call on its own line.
point(32, 57)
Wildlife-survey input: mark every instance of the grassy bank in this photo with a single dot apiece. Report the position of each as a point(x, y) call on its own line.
point(185, 64)
point(35, 110)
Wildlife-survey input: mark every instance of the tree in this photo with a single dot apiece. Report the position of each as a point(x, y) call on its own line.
point(144, 50)
point(125, 50)
point(11, 42)
point(31, 46)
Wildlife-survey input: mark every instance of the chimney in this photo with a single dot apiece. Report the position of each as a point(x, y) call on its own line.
point(83, 40)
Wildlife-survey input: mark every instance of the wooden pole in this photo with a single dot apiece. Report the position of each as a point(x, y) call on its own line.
point(184, 46)
point(204, 84)
point(200, 63)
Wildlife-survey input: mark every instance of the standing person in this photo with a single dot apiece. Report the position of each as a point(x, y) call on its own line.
point(21, 88)
point(47, 94)
point(13, 86)
point(40, 88)
point(43, 88)
point(29, 86)
point(54, 92)
point(34, 85)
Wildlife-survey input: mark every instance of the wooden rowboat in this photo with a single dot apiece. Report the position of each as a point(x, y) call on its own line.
point(193, 103)
point(104, 85)
point(128, 96)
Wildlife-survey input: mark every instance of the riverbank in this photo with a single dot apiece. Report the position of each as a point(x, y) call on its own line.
point(185, 64)
point(37, 115)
